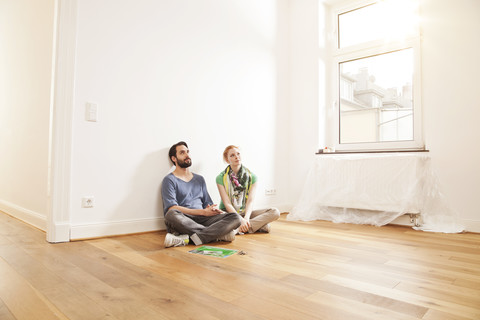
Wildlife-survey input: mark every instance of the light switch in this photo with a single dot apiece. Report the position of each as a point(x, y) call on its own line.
point(91, 112)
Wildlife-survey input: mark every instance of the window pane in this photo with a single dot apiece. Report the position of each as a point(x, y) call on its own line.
point(387, 20)
point(376, 98)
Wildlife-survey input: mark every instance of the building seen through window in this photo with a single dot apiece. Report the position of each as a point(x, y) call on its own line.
point(371, 111)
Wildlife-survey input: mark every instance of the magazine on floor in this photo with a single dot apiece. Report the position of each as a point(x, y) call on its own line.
point(214, 251)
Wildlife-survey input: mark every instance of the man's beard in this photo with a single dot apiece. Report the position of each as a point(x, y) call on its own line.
point(183, 164)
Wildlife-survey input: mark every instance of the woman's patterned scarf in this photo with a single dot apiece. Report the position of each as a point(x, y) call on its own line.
point(238, 187)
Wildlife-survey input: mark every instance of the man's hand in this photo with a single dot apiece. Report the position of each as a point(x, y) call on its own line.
point(211, 210)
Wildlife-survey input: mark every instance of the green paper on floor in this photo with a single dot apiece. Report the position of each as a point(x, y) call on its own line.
point(214, 251)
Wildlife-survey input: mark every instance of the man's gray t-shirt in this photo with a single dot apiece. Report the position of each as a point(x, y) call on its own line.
point(192, 194)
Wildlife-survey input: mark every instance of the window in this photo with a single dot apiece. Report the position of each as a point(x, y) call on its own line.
point(377, 62)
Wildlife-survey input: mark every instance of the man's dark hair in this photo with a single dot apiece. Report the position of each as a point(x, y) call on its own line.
point(173, 150)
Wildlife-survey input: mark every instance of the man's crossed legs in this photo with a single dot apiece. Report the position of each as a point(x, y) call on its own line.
point(200, 229)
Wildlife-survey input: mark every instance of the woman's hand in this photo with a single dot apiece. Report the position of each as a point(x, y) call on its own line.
point(244, 226)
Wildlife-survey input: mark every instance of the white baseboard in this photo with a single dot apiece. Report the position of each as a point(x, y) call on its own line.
point(97, 230)
point(31, 217)
point(60, 232)
point(472, 225)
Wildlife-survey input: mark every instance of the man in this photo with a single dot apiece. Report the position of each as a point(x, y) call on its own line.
point(189, 210)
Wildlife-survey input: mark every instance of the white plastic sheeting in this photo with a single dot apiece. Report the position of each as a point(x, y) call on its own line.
point(375, 189)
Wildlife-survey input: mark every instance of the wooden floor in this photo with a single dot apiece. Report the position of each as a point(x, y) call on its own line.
point(301, 270)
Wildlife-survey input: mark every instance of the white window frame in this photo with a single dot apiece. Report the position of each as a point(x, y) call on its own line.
point(365, 50)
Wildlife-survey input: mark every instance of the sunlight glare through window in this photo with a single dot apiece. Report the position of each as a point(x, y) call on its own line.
point(389, 20)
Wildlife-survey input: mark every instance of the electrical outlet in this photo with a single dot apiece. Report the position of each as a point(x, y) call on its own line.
point(88, 202)
point(270, 192)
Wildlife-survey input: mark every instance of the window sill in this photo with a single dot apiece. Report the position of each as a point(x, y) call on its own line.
point(320, 152)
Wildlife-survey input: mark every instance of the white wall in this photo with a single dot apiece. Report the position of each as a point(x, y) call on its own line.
point(163, 71)
point(209, 72)
point(310, 89)
point(451, 68)
point(451, 110)
point(26, 42)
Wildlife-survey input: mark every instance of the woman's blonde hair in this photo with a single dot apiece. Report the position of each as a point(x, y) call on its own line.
point(225, 153)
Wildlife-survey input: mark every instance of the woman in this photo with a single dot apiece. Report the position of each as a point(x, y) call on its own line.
point(237, 185)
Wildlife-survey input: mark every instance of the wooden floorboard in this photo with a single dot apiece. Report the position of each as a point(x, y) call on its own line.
point(301, 270)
